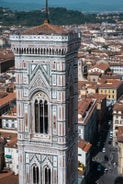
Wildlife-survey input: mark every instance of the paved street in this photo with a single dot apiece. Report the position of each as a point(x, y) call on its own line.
point(104, 162)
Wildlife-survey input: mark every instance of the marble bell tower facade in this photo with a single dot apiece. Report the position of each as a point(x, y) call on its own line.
point(46, 89)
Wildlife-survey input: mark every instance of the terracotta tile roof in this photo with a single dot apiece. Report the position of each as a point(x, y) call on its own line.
point(83, 84)
point(120, 134)
point(93, 87)
point(84, 145)
point(12, 143)
point(7, 99)
point(110, 83)
point(102, 66)
point(98, 96)
point(2, 140)
point(8, 179)
point(116, 63)
point(111, 77)
point(95, 73)
point(80, 55)
point(6, 54)
point(118, 107)
point(47, 29)
point(12, 137)
point(83, 106)
point(10, 115)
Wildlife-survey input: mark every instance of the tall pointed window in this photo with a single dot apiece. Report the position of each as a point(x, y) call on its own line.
point(45, 117)
point(35, 175)
point(36, 116)
point(47, 175)
point(41, 115)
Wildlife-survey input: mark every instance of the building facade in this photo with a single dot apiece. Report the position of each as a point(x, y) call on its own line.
point(112, 88)
point(87, 119)
point(117, 119)
point(46, 87)
point(120, 149)
point(6, 59)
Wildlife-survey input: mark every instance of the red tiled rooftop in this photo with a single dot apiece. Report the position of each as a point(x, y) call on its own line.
point(84, 145)
point(98, 96)
point(102, 66)
point(116, 63)
point(12, 137)
point(5, 54)
point(108, 77)
point(82, 84)
point(6, 178)
point(7, 99)
point(12, 143)
point(110, 83)
point(47, 29)
point(95, 73)
point(118, 107)
point(83, 105)
point(120, 134)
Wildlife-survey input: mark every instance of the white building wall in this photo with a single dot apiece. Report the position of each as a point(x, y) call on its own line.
point(11, 159)
point(81, 131)
point(8, 157)
point(81, 156)
point(9, 123)
point(15, 160)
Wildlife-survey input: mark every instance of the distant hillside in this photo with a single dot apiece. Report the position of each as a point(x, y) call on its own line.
point(80, 5)
point(58, 16)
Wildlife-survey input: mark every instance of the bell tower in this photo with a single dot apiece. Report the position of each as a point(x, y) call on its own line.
point(46, 90)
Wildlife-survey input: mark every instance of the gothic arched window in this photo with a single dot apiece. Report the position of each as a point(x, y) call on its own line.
point(36, 116)
point(47, 175)
point(41, 114)
point(35, 174)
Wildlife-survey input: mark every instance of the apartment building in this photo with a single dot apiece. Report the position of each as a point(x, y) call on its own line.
point(6, 101)
point(112, 88)
point(87, 119)
point(6, 59)
point(120, 149)
point(9, 120)
point(117, 68)
point(117, 119)
point(96, 71)
point(84, 156)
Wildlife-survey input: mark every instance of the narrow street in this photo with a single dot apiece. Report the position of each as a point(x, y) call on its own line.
point(104, 162)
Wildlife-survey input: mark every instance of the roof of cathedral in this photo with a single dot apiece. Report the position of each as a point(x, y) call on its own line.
point(47, 29)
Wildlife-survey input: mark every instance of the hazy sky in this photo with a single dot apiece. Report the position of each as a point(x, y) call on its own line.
point(70, 4)
point(67, 1)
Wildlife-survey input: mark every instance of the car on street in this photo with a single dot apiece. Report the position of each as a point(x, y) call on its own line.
point(104, 150)
point(111, 134)
point(106, 169)
point(99, 168)
point(109, 122)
